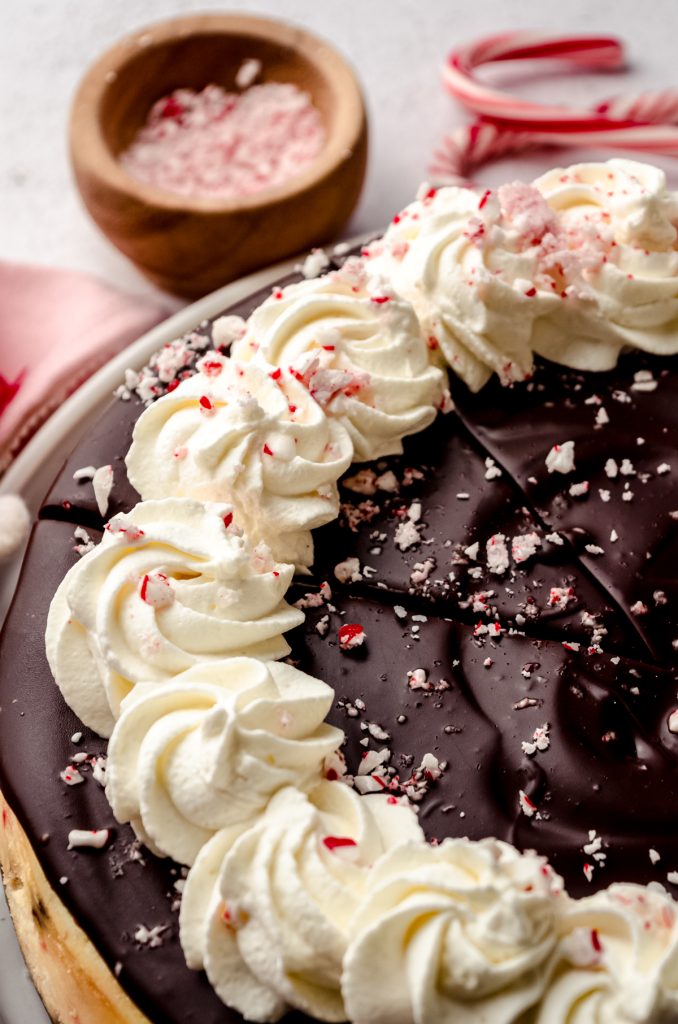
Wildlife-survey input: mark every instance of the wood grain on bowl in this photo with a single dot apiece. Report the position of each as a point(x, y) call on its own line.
point(191, 246)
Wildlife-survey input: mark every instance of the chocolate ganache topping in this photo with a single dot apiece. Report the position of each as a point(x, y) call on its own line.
point(495, 609)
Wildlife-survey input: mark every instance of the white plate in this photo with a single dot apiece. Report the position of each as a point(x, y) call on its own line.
point(30, 475)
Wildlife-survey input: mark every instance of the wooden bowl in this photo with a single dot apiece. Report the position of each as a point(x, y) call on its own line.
point(191, 246)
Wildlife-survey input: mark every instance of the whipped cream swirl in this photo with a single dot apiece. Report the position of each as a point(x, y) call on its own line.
point(578, 266)
point(457, 933)
point(359, 349)
point(171, 585)
point(468, 264)
point(616, 961)
point(615, 256)
point(255, 438)
point(210, 747)
point(267, 912)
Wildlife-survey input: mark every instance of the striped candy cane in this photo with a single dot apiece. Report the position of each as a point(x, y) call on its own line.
point(644, 123)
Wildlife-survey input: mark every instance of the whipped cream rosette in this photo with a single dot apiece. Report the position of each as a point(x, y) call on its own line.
point(616, 961)
point(360, 351)
point(468, 264)
point(210, 747)
point(615, 256)
point(452, 934)
point(256, 438)
point(171, 585)
point(267, 912)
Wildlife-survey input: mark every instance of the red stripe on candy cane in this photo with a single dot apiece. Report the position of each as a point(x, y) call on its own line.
point(644, 123)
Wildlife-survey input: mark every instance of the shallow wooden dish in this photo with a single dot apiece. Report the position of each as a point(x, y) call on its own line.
point(192, 246)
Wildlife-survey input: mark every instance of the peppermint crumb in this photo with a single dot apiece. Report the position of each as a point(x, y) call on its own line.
point(102, 482)
point(643, 381)
point(525, 702)
point(524, 546)
point(351, 635)
point(673, 722)
point(226, 330)
point(560, 459)
point(348, 571)
point(497, 554)
point(151, 937)
point(604, 494)
point(663, 468)
point(555, 538)
point(540, 741)
point(580, 489)
point(492, 470)
point(406, 535)
point(672, 878)
point(94, 838)
point(611, 468)
point(322, 625)
point(71, 776)
point(388, 482)
point(472, 551)
point(463, 496)
point(594, 549)
point(76, 737)
point(614, 536)
point(314, 264)
point(488, 663)
point(248, 71)
point(63, 880)
point(639, 608)
point(528, 808)
point(627, 468)
point(377, 733)
point(417, 679)
point(602, 417)
point(86, 473)
point(655, 857)
point(399, 611)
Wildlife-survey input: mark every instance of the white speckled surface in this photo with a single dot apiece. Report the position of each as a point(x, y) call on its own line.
point(396, 46)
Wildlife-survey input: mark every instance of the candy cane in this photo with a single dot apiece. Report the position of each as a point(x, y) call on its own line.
point(645, 123)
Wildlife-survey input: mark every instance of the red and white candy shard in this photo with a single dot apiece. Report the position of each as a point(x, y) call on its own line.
point(156, 589)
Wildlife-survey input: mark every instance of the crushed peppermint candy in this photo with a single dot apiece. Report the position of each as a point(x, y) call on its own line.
point(270, 131)
point(314, 264)
point(524, 546)
point(561, 458)
point(156, 590)
point(492, 470)
point(86, 542)
point(540, 741)
point(151, 937)
point(102, 482)
point(528, 808)
point(71, 776)
point(406, 535)
point(348, 571)
point(560, 597)
point(95, 839)
point(497, 554)
point(351, 635)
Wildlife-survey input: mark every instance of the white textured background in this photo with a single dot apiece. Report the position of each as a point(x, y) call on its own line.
point(396, 46)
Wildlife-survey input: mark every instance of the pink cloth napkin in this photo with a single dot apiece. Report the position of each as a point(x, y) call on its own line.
point(56, 328)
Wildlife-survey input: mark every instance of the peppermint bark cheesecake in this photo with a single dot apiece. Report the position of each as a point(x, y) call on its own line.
point(365, 702)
